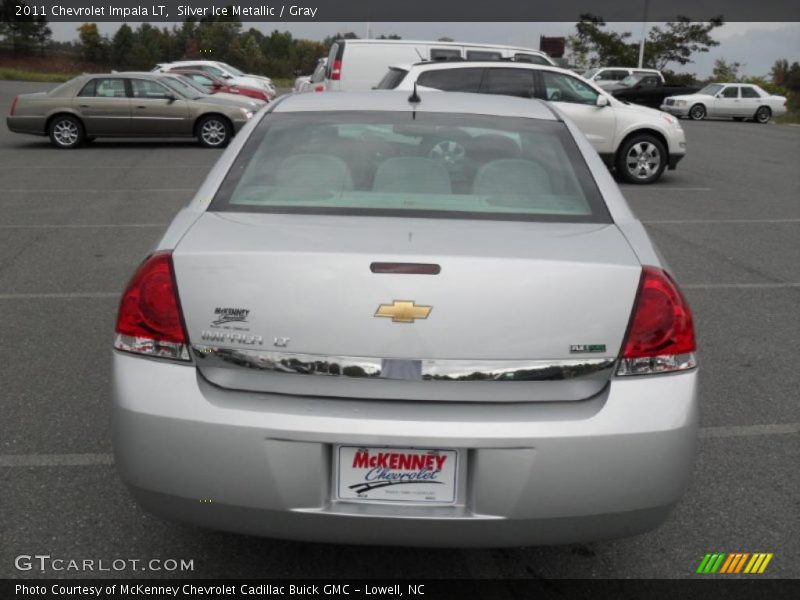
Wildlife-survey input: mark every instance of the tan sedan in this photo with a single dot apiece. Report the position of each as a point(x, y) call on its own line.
point(124, 105)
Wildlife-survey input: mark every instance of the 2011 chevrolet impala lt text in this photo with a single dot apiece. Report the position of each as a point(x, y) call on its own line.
point(394, 319)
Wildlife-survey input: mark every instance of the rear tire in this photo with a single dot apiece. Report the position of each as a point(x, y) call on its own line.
point(763, 115)
point(214, 131)
point(66, 132)
point(641, 159)
point(697, 112)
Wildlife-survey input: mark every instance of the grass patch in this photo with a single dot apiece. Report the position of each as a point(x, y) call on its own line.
point(793, 116)
point(280, 82)
point(23, 75)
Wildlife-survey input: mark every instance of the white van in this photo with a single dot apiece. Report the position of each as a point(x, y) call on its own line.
point(360, 64)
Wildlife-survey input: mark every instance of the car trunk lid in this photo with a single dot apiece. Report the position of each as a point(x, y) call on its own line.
point(517, 310)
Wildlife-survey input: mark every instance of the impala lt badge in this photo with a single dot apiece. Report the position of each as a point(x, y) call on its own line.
point(403, 311)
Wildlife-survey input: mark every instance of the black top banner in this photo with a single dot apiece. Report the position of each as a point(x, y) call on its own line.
point(403, 10)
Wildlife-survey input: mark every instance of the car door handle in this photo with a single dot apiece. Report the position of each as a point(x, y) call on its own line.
point(141, 107)
point(84, 106)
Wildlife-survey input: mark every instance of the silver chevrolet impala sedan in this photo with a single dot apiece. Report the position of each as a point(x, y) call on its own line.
point(423, 320)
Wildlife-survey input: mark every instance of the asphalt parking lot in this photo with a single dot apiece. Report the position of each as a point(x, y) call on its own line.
point(74, 224)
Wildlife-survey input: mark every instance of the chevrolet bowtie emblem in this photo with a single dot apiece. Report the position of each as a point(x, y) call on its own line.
point(403, 311)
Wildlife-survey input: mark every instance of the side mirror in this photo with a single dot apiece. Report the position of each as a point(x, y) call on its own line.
point(601, 101)
point(171, 98)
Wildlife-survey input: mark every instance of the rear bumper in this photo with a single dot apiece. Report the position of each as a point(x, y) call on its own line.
point(535, 473)
point(22, 124)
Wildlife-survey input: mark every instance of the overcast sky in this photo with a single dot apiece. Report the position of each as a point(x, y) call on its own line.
point(756, 45)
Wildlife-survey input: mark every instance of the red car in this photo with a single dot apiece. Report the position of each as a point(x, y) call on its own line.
point(214, 84)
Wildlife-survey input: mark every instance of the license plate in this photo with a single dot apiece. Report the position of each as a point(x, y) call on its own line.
point(409, 475)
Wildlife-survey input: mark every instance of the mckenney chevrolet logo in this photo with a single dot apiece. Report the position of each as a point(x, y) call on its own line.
point(734, 562)
point(403, 311)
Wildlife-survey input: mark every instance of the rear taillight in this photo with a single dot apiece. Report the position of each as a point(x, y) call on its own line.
point(660, 335)
point(336, 72)
point(149, 320)
point(319, 88)
point(14, 105)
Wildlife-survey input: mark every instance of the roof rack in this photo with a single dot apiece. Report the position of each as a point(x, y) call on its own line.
point(460, 59)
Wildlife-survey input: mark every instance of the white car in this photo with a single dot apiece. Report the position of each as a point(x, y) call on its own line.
point(638, 142)
point(608, 76)
point(314, 82)
point(224, 70)
point(727, 100)
point(300, 82)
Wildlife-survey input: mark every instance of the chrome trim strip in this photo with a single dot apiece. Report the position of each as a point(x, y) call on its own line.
point(409, 370)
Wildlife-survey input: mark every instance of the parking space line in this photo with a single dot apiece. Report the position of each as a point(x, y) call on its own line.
point(82, 460)
point(96, 191)
point(750, 430)
point(56, 460)
point(105, 167)
point(665, 189)
point(712, 221)
point(738, 286)
point(86, 226)
point(59, 295)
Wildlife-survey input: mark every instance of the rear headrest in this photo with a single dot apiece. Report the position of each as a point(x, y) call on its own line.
point(511, 177)
point(413, 175)
point(319, 171)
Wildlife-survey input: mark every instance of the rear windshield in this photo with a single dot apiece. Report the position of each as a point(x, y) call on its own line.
point(392, 79)
point(412, 165)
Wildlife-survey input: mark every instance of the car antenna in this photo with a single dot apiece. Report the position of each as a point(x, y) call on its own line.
point(414, 97)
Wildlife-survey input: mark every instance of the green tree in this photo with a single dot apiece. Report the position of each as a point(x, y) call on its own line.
point(673, 78)
point(725, 72)
point(42, 34)
point(307, 53)
point(780, 72)
point(252, 60)
point(676, 42)
point(793, 78)
point(140, 57)
point(592, 45)
point(217, 39)
point(91, 43)
point(20, 31)
point(185, 38)
point(122, 45)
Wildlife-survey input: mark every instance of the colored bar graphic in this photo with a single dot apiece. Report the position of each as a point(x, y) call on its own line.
point(727, 564)
point(740, 564)
point(764, 564)
point(703, 563)
point(754, 563)
point(734, 562)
